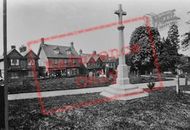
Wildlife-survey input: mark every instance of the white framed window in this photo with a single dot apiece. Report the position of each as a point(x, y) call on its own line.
point(31, 62)
point(14, 62)
point(56, 61)
point(56, 50)
point(68, 52)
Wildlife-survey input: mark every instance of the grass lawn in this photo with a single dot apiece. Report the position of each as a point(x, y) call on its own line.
point(161, 110)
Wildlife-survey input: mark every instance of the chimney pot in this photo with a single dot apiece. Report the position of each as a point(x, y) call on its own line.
point(94, 52)
point(72, 44)
point(22, 48)
point(13, 47)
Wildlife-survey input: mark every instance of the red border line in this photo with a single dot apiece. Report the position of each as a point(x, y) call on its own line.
point(74, 33)
point(101, 100)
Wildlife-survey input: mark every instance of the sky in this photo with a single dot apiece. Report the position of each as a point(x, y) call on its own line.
point(32, 19)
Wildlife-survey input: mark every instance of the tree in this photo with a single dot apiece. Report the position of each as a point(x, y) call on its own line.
point(186, 40)
point(168, 56)
point(172, 46)
point(144, 59)
point(173, 37)
point(185, 45)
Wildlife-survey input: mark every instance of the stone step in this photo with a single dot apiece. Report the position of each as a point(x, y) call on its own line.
point(128, 96)
point(124, 92)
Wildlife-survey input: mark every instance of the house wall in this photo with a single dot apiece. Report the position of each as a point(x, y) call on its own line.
point(2, 69)
point(23, 64)
point(63, 67)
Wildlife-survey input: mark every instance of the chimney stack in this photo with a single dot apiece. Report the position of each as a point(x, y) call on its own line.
point(22, 48)
point(72, 44)
point(94, 53)
point(13, 47)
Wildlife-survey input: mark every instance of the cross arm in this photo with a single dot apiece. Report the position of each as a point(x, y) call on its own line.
point(118, 12)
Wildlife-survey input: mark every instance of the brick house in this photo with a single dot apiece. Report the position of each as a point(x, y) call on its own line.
point(111, 62)
point(91, 62)
point(19, 64)
point(98, 64)
point(30, 61)
point(56, 60)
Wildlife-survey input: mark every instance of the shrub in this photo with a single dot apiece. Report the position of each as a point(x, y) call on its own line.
point(135, 79)
point(151, 85)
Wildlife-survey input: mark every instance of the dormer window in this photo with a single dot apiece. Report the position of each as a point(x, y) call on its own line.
point(56, 50)
point(14, 62)
point(68, 51)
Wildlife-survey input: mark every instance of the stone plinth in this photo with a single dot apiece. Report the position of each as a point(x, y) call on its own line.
point(122, 77)
point(124, 92)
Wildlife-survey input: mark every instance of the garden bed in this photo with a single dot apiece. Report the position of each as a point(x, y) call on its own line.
point(29, 85)
point(146, 79)
point(161, 110)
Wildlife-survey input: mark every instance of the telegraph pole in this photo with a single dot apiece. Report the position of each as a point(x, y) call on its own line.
point(4, 87)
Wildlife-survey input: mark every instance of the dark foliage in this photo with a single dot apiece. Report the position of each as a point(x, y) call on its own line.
point(149, 43)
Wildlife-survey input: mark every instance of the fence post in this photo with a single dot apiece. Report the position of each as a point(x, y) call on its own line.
point(177, 84)
point(186, 83)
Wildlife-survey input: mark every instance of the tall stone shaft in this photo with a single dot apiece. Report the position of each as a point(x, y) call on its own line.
point(122, 75)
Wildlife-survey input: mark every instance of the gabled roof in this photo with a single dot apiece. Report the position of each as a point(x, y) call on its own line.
point(21, 55)
point(50, 51)
point(96, 57)
point(8, 53)
point(86, 58)
point(26, 53)
point(104, 58)
point(12, 51)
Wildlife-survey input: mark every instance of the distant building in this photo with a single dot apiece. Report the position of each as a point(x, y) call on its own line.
point(98, 64)
point(92, 63)
point(29, 62)
point(57, 60)
point(111, 63)
point(19, 63)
